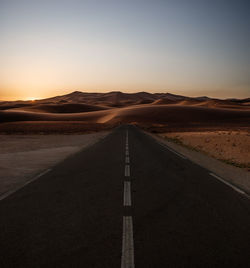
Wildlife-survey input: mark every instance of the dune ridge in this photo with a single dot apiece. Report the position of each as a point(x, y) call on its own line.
point(140, 108)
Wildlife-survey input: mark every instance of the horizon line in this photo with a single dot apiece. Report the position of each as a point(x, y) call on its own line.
point(118, 91)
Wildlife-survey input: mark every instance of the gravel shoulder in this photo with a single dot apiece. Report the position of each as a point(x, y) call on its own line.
point(23, 157)
point(237, 176)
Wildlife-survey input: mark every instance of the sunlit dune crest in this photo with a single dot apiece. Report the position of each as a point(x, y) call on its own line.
point(115, 108)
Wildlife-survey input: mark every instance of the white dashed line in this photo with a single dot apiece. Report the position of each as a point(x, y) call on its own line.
point(228, 184)
point(127, 170)
point(126, 147)
point(127, 243)
point(27, 182)
point(127, 194)
point(127, 260)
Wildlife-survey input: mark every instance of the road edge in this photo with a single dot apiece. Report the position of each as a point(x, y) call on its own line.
point(49, 168)
point(228, 173)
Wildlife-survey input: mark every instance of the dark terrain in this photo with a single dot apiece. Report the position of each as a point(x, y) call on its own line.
point(72, 216)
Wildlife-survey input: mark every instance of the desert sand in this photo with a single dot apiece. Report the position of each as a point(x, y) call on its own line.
point(230, 146)
point(200, 119)
point(79, 112)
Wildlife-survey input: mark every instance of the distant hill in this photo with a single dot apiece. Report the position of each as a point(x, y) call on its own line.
point(118, 97)
point(77, 101)
point(80, 110)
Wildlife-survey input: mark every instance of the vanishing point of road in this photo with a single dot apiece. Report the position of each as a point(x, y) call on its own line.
point(126, 201)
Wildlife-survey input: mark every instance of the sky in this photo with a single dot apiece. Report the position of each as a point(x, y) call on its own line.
point(189, 47)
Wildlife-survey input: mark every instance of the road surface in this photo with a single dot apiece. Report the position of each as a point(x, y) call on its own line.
point(126, 201)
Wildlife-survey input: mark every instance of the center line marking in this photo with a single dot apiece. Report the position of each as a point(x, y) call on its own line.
point(127, 160)
point(127, 170)
point(127, 243)
point(127, 194)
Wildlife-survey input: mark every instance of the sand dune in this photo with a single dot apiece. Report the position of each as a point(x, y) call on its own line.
point(222, 104)
point(166, 114)
point(62, 108)
point(205, 102)
point(20, 115)
point(189, 102)
point(137, 113)
point(113, 99)
point(164, 101)
point(116, 108)
point(13, 105)
point(116, 99)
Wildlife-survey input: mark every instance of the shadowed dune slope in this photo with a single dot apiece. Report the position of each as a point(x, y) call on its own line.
point(222, 104)
point(179, 114)
point(63, 108)
point(210, 103)
point(13, 105)
point(164, 101)
point(19, 115)
point(112, 99)
point(140, 114)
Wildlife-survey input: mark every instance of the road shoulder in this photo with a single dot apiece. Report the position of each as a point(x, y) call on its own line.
point(231, 174)
point(25, 157)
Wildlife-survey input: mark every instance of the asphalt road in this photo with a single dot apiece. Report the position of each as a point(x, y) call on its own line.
point(126, 201)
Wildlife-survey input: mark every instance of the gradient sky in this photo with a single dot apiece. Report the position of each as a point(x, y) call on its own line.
point(190, 47)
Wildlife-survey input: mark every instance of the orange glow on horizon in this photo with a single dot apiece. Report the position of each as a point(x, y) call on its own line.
point(31, 99)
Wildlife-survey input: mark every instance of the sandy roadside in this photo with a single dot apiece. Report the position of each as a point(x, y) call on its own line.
point(237, 176)
point(22, 157)
point(232, 147)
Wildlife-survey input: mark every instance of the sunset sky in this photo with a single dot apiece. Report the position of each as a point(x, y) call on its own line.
point(189, 47)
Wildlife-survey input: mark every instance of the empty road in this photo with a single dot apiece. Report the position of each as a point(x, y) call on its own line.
point(126, 201)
